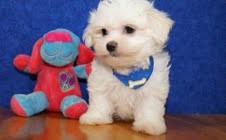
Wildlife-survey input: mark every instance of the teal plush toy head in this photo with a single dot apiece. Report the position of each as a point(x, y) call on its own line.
point(60, 47)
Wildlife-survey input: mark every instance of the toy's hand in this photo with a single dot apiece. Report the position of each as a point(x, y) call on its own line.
point(82, 71)
point(21, 62)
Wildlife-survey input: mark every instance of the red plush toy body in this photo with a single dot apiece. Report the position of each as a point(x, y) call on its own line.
point(57, 83)
point(57, 87)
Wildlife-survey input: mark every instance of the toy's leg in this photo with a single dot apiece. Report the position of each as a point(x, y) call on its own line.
point(28, 105)
point(73, 107)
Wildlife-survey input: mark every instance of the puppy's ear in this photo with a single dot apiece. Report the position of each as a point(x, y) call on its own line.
point(160, 25)
point(87, 34)
point(87, 37)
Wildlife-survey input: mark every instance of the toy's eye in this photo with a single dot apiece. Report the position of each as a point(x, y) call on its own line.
point(104, 32)
point(129, 30)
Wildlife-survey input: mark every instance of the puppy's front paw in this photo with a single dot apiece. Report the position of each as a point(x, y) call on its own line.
point(149, 127)
point(94, 119)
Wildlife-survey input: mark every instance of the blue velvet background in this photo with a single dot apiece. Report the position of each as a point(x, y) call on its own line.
point(197, 45)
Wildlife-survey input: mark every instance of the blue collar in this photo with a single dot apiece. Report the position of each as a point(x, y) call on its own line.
point(137, 77)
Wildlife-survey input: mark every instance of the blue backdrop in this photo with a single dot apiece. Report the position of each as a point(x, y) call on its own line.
point(197, 45)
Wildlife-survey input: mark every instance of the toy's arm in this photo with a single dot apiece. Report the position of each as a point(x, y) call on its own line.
point(21, 62)
point(30, 64)
point(84, 61)
point(86, 55)
point(82, 71)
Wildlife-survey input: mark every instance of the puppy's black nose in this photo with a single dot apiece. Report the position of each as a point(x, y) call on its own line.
point(111, 46)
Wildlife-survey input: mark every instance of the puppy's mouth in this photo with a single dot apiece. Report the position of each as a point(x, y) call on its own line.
point(114, 54)
point(109, 54)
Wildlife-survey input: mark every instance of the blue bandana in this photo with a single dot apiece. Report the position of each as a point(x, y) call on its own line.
point(137, 77)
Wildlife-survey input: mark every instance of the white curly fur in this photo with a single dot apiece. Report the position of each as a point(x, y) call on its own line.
point(109, 98)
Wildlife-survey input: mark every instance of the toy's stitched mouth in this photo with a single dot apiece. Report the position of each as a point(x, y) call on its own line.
point(58, 52)
point(66, 56)
point(47, 53)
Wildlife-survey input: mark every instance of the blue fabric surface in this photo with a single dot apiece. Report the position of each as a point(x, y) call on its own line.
point(197, 45)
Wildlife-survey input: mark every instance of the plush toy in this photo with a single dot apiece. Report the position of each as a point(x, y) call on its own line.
point(57, 88)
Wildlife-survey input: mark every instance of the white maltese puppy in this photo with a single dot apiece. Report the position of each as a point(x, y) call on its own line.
point(130, 74)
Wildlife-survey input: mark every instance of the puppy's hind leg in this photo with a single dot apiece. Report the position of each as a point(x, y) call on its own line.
point(99, 112)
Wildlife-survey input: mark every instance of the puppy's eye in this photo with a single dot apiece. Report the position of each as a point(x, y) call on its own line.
point(104, 32)
point(129, 30)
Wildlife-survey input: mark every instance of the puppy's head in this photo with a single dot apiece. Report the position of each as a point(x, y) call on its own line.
point(124, 33)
